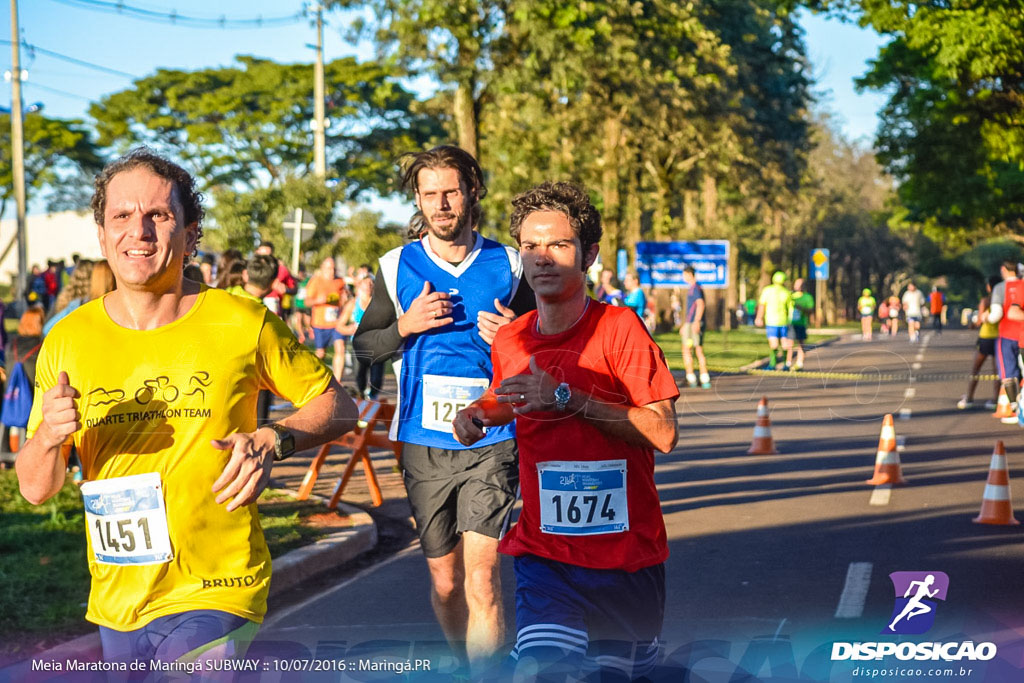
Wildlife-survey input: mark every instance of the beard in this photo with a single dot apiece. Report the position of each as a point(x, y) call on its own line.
point(451, 231)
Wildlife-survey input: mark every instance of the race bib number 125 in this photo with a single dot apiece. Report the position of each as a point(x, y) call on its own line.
point(127, 521)
point(583, 498)
point(443, 397)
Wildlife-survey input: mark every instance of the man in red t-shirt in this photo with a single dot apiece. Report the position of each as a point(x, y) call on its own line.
point(279, 298)
point(592, 399)
point(936, 304)
point(1013, 324)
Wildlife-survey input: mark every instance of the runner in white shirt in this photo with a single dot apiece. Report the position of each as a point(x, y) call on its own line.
point(913, 303)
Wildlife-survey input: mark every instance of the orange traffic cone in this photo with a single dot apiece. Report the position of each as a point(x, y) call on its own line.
point(887, 461)
point(763, 444)
point(14, 439)
point(1003, 405)
point(996, 507)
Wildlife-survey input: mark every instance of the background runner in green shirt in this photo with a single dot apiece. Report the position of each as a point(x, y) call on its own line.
point(800, 305)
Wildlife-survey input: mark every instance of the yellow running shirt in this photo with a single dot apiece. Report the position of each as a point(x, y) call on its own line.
point(775, 299)
point(151, 402)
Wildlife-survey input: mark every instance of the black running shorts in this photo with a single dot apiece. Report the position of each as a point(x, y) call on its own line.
point(452, 491)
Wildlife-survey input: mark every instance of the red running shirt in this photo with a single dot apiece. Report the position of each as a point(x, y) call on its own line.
point(609, 355)
point(1012, 329)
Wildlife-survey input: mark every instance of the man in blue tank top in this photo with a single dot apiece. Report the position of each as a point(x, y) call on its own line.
point(436, 306)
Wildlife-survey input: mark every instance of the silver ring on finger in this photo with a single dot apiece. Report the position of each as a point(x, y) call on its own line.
point(522, 397)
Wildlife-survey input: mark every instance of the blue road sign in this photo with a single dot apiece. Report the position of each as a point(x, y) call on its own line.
point(819, 264)
point(661, 264)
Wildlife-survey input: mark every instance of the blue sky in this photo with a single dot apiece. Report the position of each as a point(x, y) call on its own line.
point(838, 52)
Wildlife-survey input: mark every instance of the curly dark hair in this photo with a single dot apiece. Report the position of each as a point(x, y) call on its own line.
point(446, 156)
point(564, 197)
point(184, 185)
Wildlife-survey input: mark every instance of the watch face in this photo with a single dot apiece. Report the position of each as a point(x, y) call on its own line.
point(287, 443)
point(562, 394)
point(284, 445)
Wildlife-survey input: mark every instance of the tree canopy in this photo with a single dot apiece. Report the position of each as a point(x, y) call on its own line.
point(952, 132)
point(60, 160)
point(247, 126)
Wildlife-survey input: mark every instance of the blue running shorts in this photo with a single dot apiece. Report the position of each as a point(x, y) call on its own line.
point(573, 620)
point(182, 637)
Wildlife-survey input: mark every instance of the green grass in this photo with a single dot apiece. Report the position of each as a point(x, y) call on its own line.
point(281, 517)
point(44, 576)
point(725, 351)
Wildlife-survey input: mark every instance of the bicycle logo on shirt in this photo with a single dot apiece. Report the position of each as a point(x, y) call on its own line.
point(159, 387)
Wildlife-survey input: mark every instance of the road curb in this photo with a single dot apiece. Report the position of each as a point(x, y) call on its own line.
point(289, 570)
point(327, 553)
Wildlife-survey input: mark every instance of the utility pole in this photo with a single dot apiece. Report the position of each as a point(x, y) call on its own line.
point(319, 124)
point(18, 150)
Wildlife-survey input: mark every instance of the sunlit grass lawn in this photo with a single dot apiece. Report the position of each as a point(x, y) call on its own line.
point(726, 351)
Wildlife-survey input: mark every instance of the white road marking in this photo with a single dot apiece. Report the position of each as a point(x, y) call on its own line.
point(910, 393)
point(855, 591)
point(881, 494)
point(779, 630)
point(915, 366)
point(278, 616)
point(905, 413)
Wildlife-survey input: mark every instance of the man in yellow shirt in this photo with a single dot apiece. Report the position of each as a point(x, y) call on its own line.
point(773, 312)
point(156, 383)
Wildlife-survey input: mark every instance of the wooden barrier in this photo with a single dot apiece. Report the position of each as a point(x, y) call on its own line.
point(359, 440)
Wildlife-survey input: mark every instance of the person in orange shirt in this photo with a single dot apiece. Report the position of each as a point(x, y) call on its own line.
point(325, 295)
point(937, 303)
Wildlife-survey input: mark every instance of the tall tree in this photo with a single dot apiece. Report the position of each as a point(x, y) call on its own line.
point(451, 41)
point(60, 161)
point(952, 131)
point(247, 126)
point(604, 92)
point(241, 217)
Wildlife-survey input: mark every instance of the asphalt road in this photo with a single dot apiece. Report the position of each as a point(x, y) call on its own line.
point(765, 549)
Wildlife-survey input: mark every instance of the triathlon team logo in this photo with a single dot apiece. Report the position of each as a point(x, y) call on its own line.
point(916, 596)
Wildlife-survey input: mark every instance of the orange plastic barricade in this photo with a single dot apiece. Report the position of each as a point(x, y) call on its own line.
point(359, 440)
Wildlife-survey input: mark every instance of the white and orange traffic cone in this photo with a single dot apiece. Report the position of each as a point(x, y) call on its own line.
point(1003, 406)
point(996, 507)
point(763, 444)
point(887, 461)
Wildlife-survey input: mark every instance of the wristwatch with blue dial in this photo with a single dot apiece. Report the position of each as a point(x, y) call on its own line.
point(562, 396)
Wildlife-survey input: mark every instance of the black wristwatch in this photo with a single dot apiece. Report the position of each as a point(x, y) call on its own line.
point(284, 442)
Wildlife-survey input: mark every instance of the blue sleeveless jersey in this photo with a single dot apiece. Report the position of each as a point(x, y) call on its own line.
point(443, 370)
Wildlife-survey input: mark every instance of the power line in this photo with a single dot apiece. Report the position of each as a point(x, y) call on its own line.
point(65, 93)
point(71, 60)
point(173, 17)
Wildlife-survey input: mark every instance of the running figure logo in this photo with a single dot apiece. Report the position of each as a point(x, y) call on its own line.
point(916, 592)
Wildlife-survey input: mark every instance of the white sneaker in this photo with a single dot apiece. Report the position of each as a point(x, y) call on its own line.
point(964, 404)
point(991, 405)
